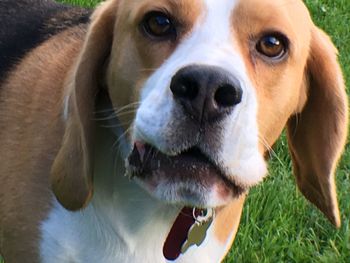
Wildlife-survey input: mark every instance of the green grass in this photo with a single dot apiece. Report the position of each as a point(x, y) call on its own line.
point(278, 224)
point(86, 3)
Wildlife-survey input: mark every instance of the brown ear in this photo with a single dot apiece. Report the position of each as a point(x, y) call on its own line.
point(72, 171)
point(317, 135)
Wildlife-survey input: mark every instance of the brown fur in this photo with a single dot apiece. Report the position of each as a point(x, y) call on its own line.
point(317, 134)
point(278, 86)
point(71, 175)
point(30, 134)
point(227, 220)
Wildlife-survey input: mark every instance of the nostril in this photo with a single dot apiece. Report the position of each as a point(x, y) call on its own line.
point(227, 95)
point(185, 89)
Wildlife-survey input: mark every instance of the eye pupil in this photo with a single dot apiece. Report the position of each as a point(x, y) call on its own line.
point(272, 42)
point(272, 46)
point(162, 21)
point(158, 25)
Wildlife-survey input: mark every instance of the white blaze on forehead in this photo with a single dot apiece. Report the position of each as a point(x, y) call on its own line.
point(211, 42)
point(218, 16)
point(213, 37)
point(239, 152)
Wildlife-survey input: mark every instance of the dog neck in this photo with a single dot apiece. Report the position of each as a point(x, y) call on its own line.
point(122, 223)
point(135, 217)
point(139, 222)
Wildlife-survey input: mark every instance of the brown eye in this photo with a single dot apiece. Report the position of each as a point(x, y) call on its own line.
point(272, 46)
point(159, 25)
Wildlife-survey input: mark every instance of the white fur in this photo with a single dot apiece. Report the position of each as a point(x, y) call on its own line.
point(130, 231)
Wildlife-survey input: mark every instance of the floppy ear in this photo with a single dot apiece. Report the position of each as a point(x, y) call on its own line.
point(317, 135)
point(72, 171)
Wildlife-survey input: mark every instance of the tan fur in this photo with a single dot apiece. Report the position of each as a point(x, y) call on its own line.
point(317, 135)
point(71, 174)
point(278, 86)
point(227, 220)
point(31, 130)
point(134, 58)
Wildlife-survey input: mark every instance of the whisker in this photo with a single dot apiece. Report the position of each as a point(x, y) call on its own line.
point(126, 113)
point(115, 109)
point(271, 151)
point(116, 125)
point(122, 136)
point(105, 118)
point(115, 113)
point(104, 111)
point(132, 104)
point(268, 147)
point(147, 69)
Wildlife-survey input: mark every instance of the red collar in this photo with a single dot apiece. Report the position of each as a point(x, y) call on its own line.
point(178, 234)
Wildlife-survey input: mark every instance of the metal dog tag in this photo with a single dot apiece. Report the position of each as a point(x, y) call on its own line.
point(198, 231)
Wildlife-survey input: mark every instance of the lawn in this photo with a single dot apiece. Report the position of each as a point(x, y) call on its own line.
point(278, 224)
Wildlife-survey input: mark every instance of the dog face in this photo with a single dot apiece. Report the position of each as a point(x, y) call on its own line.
point(199, 96)
point(215, 84)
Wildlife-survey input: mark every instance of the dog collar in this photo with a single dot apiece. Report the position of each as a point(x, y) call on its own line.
point(189, 228)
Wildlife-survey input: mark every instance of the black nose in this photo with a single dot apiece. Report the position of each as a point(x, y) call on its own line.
point(206, 93)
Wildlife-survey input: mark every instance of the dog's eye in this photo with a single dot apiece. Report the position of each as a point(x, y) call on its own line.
point(158, 25)
point(272, 46)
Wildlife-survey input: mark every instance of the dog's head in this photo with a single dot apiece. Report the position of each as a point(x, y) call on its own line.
point(215, 83)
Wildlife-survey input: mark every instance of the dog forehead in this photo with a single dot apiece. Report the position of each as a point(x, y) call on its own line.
point(291, 12)
point(223, 18)
point(179, 8)
point(205, 7)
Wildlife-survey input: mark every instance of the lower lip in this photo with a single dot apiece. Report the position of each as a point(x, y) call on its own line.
point(191, 170)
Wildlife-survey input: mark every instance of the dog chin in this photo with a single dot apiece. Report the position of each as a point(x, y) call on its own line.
point(188, 195)
point(189, 178)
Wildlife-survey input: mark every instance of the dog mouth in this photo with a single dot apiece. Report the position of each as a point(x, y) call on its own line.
point(189, 178)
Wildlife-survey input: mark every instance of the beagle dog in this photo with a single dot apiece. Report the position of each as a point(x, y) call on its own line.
point(134, 134)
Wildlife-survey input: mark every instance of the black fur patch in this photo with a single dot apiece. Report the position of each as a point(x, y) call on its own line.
point(25, 24)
